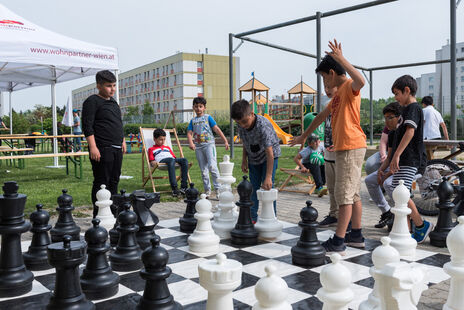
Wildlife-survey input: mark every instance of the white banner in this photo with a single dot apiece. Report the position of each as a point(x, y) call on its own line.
point(68, 115)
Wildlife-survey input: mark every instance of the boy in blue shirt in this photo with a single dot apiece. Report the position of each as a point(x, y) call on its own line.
point(201, 140)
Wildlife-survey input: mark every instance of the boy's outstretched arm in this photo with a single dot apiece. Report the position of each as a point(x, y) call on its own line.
point(221, 134)
point(336, 53)
point(407, 137)
point(314, 124)
point(190, 140)
point(297, 160)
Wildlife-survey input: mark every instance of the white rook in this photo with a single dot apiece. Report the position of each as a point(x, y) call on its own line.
point(400, 236)
point(268, 226)
point(104, 203)
point(220, 277)
point(455, 268)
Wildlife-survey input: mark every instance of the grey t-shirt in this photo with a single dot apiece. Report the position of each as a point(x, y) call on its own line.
point(307, 151)
point(257, 139)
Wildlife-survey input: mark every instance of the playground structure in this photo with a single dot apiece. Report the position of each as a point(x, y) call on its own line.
point(284, 114)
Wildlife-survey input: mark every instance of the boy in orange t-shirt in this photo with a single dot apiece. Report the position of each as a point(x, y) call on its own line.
point(349, 144)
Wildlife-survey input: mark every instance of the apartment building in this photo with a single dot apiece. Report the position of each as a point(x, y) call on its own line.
point(171, 84)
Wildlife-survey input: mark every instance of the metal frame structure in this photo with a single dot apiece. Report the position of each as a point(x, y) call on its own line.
point(243, 36)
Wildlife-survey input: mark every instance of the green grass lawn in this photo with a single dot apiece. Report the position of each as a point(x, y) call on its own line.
point(43, 185)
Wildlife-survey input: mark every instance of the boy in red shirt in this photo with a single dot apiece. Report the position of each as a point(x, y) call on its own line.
point(160, 153)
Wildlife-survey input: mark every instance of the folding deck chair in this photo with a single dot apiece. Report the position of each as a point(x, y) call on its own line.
point(147, 142)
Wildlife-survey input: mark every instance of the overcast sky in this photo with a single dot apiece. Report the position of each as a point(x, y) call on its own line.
point(144, 31)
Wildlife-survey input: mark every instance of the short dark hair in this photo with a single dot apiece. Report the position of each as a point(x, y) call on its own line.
point(427, 100)
point(313, 137)
point(328, 63)
point(405, 81)
point(240, 109)
point(158, 132)
point(394, 108)
point(199, 100)
point(105, 76)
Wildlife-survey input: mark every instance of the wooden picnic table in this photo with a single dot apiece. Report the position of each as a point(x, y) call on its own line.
point(432, 145)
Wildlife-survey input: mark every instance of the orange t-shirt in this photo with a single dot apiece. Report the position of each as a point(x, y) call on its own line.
point(345, 108)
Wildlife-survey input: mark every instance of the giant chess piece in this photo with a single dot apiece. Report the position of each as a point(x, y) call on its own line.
point(225, 219)
point(36, 257)
point(271, 291)
point(308, 251)
point(65, 224)
point(116, 208)
point(104, 203)
point(188, 222)
point(444, 222)
point(220, 277)
point(335, 292)
point(203, 240)
point(98, 281)
point(155, 272)
point(268, 226)
point(244, 232)
point(146, 219)
point(66, 258)
point(455, 268)
point(400, 236)
point(126, 256)
point(15, 279)
point(226, 178)
point(401, 285)
point(381, 256)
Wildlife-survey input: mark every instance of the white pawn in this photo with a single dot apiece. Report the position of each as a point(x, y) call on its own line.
point(220, 277)
point(104, 203)
point(203, 240)
point(381, 256)
point(268, 226)
point(400, 236)
point(335, 292)
point(226, 220)
point(271, 291)
point(455, 268)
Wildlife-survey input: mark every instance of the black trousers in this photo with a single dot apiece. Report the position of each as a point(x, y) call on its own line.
point(106, 171)
point(318, 173)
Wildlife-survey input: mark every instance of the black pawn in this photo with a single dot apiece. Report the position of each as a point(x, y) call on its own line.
point(188, 222)
point(126, 256)
point(98, 281)
point(66, 258)
point(444, 222)
point(36, 257)
point(146, 219)
point(116, 208)
point(15, 279)
point(155, 272)
point(308, 251)
point(244, 232)
point(65, 224)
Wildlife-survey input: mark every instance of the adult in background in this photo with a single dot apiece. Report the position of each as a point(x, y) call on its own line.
point(102, 124)
point(2, 124)
point(432, 123)
point(77, 129)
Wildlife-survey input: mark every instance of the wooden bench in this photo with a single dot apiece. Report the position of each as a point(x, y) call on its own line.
point(305, 177)
point(15, 151)
point(74, 158)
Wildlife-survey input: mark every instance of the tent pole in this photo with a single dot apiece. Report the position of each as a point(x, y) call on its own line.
point(11, 113)
point(116, 93)
point(55, 128)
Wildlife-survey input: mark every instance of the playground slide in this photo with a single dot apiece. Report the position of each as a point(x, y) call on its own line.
point(282, 135)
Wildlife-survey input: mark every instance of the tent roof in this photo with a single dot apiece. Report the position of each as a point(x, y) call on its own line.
point(253, 84)
point(32, 56)
point(301, 87)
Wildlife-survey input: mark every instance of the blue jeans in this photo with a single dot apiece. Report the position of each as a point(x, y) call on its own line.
point(206, 156)
point(257, 175)
point(171, 163)
point(77, 142)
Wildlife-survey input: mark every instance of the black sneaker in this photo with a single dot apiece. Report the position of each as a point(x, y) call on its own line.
point(328, 221)
point(176, 193)
point(330, 247)
point(384, 219)
point(355, 242)
point(183, 190)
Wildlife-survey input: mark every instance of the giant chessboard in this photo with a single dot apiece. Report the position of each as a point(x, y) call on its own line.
point(303, 283)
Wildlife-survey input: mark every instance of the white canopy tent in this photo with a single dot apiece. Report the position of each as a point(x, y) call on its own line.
point(33, 56)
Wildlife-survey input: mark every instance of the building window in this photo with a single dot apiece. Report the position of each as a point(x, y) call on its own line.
point(462, 49)
point(462, 78)
point(430, 87)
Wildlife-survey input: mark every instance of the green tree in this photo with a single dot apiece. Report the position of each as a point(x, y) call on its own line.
point(148, 109)
point(132, 111)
